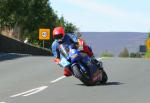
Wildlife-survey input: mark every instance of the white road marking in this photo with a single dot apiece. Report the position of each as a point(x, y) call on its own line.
point(2, 102)
point(35, 90)
point(30, 92)
point(56, 80)
point(39, 89)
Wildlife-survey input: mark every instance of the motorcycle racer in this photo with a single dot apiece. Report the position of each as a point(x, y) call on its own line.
point(60, 36)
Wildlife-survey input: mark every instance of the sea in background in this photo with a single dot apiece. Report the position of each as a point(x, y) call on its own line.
point(114, 42)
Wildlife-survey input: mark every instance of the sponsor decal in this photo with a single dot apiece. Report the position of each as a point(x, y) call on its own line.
point(74, 56)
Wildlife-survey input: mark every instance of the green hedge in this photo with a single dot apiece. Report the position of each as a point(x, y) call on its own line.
point(147, 55)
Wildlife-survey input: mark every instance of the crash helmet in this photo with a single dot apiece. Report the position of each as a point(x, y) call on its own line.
point(58, 32)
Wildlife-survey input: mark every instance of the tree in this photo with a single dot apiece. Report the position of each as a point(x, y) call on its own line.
point(124, 53)
point(27, 16)
point(149, 35)
point(70, 28)
point(107, 54)
point(135, 55)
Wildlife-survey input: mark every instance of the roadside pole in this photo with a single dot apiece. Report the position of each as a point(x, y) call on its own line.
point(43, 44)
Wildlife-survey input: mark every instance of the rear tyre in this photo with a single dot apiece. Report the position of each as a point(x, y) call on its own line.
point(104, 77)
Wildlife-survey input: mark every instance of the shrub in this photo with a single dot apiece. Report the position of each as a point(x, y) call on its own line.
point(124, 53)
point(135, 55)
point(107, 54)
point(147, 55)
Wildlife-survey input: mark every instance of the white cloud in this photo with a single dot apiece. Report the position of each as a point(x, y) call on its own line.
point(97, 7)
point(111, 11)
point(106, 17)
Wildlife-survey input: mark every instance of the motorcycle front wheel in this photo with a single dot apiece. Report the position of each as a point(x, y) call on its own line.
point(77, 73)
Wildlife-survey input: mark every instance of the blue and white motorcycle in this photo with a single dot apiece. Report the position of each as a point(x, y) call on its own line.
point(82, 66)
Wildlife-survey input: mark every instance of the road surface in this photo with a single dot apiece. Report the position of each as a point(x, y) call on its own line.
point(36, 79)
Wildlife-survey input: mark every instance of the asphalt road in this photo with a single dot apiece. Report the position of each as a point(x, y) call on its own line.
point(28, 79)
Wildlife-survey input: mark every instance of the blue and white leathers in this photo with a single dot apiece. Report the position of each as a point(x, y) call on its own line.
point(67, 40)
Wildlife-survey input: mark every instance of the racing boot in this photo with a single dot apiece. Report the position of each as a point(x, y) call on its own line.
point(67, 72)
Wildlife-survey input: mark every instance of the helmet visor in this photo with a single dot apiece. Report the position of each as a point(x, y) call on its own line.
point(58, 36)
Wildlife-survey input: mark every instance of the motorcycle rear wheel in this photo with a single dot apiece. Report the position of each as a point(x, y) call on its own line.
point(104, 77)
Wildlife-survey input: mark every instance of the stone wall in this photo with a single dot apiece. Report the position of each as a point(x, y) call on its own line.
point(9, 45)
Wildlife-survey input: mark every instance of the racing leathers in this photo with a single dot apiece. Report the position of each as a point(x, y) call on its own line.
point(70, 39)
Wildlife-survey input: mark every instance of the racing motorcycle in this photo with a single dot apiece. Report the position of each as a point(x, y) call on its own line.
point(82, 66)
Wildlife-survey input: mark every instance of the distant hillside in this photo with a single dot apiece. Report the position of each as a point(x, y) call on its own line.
point(114, 42)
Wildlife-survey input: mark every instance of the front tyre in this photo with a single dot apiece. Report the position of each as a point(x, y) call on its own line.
point(78, 74)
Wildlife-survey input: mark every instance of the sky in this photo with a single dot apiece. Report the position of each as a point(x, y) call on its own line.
point(105, 15)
